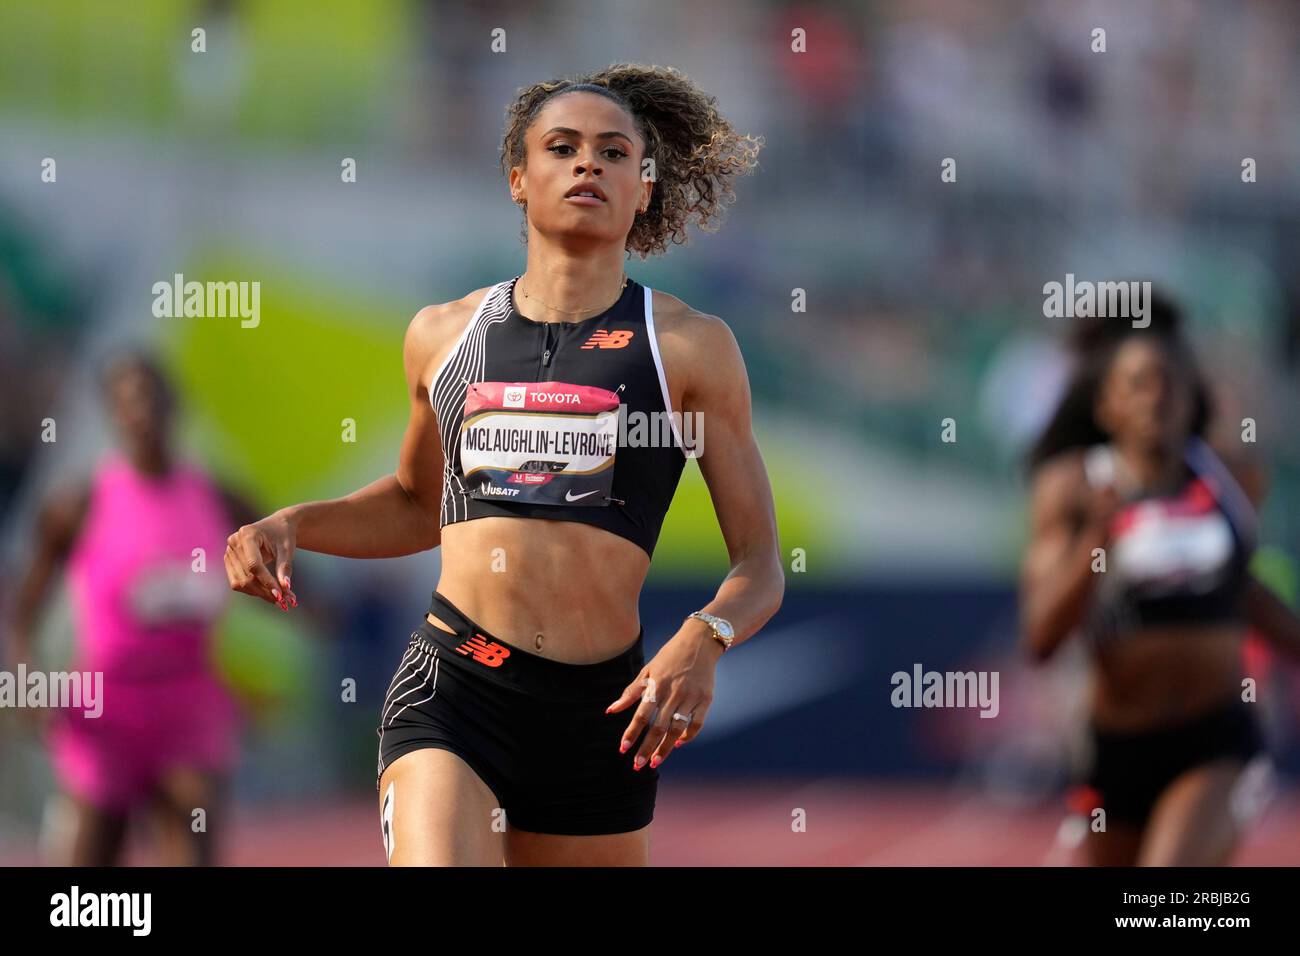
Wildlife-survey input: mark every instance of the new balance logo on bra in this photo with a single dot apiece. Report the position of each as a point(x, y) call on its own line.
point(608, 340)
point(615, 353)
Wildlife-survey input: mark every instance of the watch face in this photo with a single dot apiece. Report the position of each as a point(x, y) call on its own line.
point(725, 629)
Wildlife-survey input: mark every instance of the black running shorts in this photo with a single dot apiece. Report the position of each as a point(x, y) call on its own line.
point(534, 729)
point(1130, 770)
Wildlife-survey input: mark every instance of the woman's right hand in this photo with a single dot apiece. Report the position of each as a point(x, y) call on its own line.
point(1069, 520)
point(254, 549)
point(1103, 504)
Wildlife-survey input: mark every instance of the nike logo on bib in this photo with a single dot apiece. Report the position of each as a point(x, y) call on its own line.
point(570, 496)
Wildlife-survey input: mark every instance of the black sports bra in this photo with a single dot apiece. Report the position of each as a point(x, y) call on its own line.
point(563, 420)
point(1179, 558)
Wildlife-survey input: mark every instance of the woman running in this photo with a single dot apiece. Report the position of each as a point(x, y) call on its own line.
point(144, 603)
point(1141, 537)
point(523, 724)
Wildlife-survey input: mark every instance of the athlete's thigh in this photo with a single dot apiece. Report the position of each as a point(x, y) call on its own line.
point(436, 811)
point(1191, 824)
point(549, 849)
point(97, 837)
point(181, 790)
point(189, 806)
point(1117, 845)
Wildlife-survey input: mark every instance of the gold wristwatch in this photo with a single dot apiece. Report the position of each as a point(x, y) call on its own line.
point(722, 630)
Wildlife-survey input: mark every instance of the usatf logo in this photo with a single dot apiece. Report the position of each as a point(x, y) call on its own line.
point(605, 339)
point(484, 651)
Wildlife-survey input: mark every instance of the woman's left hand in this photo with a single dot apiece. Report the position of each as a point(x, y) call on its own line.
point(677, 681)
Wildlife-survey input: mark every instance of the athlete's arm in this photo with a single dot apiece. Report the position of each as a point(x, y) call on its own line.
point(1265, 612)
point(1270, 618)
point(732, 466)
point(1056, 576)
point(58, 523)
point(1248, 470)
point(393, 516)
point(681, 675)
point(398, 514)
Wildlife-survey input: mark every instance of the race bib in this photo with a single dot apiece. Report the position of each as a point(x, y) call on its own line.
point(170, 593)
point(549, 443)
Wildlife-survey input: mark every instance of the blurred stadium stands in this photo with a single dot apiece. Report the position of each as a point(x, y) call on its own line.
point(924, 302)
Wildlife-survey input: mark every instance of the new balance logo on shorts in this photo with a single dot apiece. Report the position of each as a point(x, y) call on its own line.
point(484, 651)
point(605, 339)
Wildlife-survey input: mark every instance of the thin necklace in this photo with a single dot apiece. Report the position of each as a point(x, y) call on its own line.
point(572, 311)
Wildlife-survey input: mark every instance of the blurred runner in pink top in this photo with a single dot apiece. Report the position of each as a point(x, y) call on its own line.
point(145, 600)
point(142, 618)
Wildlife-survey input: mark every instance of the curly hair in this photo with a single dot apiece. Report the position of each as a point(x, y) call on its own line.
point(695, 151)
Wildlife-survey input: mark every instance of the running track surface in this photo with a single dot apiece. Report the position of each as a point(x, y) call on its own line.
point(722, 824)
